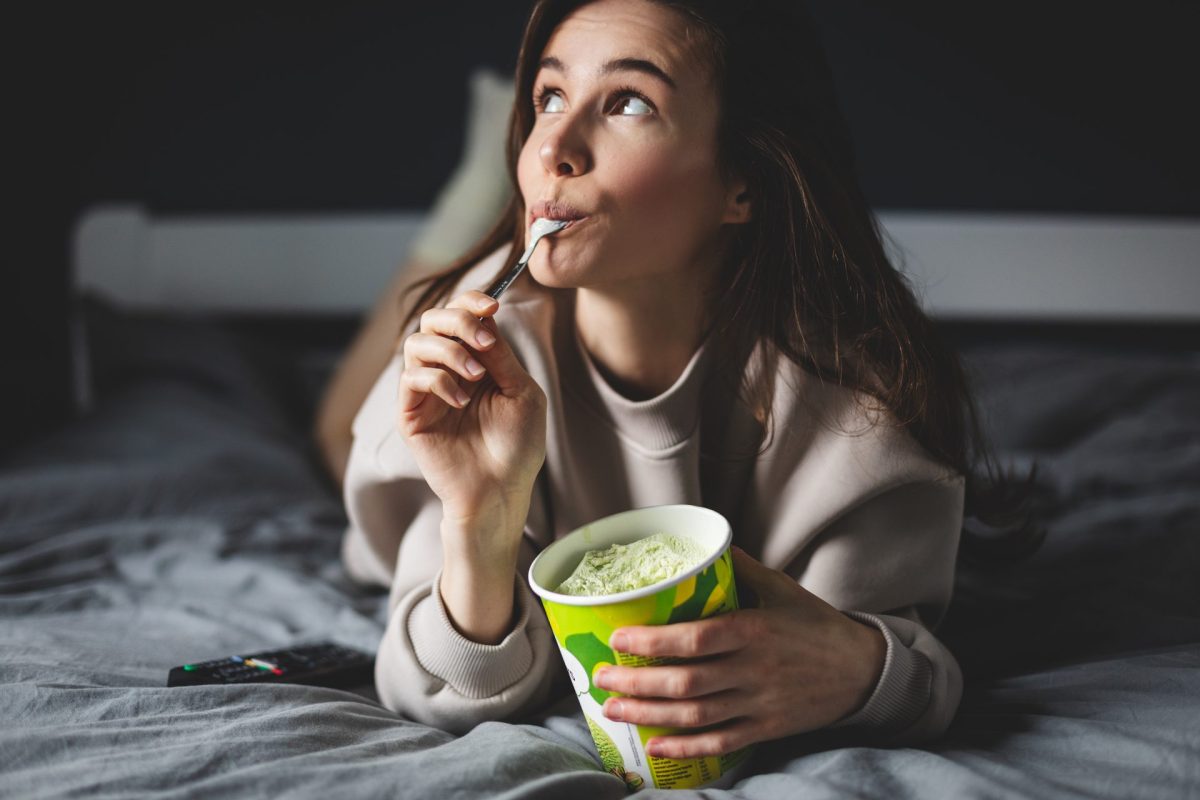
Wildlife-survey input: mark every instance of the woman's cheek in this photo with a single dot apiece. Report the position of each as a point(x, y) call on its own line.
point(525, 176)
point(674, 199)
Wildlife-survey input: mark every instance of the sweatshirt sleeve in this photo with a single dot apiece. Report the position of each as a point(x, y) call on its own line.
point(425, 669)
point(433, 674)
point(889, 563)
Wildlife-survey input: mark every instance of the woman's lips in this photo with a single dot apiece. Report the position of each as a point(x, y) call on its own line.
point(555, 209)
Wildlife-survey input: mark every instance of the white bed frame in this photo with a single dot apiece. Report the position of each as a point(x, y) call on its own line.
point(972, 266)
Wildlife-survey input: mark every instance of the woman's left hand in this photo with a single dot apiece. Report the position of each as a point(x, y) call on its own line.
point(792, 665)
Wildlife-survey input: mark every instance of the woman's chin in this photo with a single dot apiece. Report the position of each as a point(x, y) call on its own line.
point(557, 272)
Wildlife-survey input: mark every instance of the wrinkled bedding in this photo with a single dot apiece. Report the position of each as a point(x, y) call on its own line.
point(186, 518)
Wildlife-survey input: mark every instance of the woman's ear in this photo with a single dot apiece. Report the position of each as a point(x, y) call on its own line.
point(737, 203)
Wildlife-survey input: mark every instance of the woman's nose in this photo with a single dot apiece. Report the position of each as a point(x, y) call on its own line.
point(564, 151)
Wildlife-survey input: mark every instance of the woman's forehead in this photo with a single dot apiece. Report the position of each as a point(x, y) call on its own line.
point(606, 31)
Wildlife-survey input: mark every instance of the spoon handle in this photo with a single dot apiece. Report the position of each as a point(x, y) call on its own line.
point(542, 228)
point(499, 288)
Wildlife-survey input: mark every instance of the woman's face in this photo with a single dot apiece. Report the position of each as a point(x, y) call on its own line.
point(625, 137)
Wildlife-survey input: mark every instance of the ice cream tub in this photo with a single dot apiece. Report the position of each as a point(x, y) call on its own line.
point(582, 625)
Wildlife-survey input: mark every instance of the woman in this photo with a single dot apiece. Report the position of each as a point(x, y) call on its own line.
point(720, 326)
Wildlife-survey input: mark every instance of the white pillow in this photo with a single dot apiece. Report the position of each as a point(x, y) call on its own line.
point(478, 190)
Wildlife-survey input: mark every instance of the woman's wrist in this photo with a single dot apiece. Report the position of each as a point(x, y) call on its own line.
point(490, 532)
point(480, 604)
point(869, 664)
point(479, 568)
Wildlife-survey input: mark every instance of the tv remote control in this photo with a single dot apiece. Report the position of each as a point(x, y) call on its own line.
point(320, 664)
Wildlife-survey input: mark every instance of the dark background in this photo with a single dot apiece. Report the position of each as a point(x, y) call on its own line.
point(1016, 107)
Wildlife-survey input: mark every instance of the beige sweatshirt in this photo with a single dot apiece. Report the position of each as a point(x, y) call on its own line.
point(862, 517)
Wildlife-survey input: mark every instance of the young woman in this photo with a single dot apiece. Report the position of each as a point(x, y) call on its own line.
point(718, 326)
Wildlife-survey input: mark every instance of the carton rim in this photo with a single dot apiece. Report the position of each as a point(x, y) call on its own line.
point(632, 594)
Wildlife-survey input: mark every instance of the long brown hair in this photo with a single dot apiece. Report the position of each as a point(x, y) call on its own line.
point(808, 273)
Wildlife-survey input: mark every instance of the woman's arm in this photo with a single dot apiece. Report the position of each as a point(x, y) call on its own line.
point(359, 368)
point(796, 664)
point(413, 501)
point(426, 668)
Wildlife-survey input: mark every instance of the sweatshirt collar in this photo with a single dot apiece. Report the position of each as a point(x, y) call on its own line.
point(656, 423)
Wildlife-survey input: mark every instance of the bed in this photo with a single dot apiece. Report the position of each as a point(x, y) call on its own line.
point(186, 517)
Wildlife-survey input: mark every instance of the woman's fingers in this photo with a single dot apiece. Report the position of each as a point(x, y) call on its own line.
point(460, 318)
point(441, 339)
point(703, 637)
point(725, 739)
point(417, 383)
point(678, 681)
point(693, 713)
point(476, 301)
point(424, 349)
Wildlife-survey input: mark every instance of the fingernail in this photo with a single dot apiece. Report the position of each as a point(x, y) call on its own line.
point(653, 749)
point(474, 367)
point(601, 679)
point(462, 397)
point(618, 641)
point(612, 709)
point(485, 339)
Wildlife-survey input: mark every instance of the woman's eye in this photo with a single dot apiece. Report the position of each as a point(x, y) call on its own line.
point(628, 104)
point(632, 106)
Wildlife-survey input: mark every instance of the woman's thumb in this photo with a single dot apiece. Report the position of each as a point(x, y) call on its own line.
point(751, 574)
point(501, 362)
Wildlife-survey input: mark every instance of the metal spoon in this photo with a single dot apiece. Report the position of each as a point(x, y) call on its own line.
point(541, 227)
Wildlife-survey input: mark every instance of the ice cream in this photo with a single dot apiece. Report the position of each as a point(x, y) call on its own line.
point(624, 567)
point(621, 577)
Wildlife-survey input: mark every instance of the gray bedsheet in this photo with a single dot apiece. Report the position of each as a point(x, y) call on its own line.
point(185, 519)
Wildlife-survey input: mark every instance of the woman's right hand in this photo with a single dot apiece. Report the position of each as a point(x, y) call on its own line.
point(481, 457)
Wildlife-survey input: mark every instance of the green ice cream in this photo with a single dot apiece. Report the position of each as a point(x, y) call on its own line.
point(624, 567)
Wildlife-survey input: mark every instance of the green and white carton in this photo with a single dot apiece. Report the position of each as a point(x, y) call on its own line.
point(582, 626)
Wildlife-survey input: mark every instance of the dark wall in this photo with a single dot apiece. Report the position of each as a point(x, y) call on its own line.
point(1018, 106)
point(350, 106)
point(1021, 106)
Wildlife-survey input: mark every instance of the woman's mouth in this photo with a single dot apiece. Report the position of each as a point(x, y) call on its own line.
point(571, 225)
point(557, 210)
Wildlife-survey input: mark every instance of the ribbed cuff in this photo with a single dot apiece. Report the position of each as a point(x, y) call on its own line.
point(904, 688)
point(472, 669)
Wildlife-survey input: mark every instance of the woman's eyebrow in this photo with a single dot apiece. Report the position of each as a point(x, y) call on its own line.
point(616, 65)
